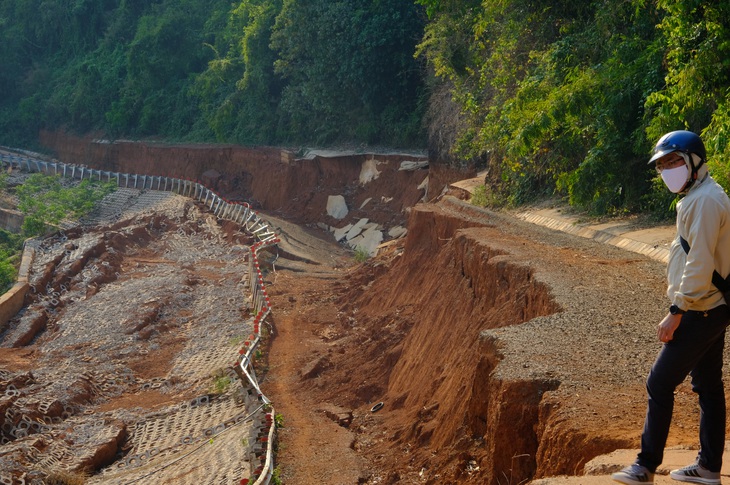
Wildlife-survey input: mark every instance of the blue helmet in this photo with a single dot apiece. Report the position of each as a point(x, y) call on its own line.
point(679, 141)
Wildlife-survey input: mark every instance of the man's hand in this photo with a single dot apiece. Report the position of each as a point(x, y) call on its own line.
point(665, 330)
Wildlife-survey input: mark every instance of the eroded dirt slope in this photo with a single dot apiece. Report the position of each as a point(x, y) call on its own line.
point(271, 179)
point(488, 342)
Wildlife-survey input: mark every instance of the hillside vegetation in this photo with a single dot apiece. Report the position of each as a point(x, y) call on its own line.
point(552, 97)
point(45, 201)
point(250, 72)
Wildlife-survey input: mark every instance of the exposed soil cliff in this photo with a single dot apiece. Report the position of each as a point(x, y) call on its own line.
point(271, 179)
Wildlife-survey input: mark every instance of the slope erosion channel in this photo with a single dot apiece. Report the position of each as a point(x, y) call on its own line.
point(475, 349)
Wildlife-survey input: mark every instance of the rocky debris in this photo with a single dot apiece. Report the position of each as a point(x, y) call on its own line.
point(368, 240)
point(413, 165)
point(363, 235)
point(341, 232)
point(339, 415)
point(336, 206)
point(356, 229)
point(359, 234)
point(369, 171)
point(397, 232)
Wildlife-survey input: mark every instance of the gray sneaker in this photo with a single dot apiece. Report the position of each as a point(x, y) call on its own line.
point(696, 473)
point(634, 475)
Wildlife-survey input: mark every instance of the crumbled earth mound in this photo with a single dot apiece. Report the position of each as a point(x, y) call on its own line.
point(120, 362)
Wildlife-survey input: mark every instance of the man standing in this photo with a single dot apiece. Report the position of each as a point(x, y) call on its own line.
point(693, 331)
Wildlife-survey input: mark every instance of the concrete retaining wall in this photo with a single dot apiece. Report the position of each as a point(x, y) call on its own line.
point(11, 220)
point(12, 300)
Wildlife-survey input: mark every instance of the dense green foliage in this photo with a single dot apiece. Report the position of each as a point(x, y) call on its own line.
point(45, 201)
point(255, 71)
point(11, 246)
point(568, 97)
point(551, 96)
point(349, 63)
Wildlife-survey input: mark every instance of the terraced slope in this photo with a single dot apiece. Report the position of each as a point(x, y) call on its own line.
point(118, 364)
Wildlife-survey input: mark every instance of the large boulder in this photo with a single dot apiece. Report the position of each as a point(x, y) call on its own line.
point(368, 241)
point(336, 206)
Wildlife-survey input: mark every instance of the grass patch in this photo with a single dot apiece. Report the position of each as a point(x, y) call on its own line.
point(221, 382)
point(361, 254)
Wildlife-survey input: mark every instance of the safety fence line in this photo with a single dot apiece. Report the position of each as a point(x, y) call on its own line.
point(239, 212)
point(263, 434)
point(261, 446)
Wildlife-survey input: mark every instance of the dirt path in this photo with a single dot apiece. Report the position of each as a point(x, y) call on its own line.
point(313, 447)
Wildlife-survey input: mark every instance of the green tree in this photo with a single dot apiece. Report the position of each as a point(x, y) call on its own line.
point(239, 92)
point(205, 71)
point(11, 246)
point(162, 60)
point(349, 70)
point(38, 41)
point(8, 274)
point(696, 93)
point(552, 93)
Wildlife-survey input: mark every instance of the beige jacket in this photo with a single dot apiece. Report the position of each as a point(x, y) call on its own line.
point(703, 219)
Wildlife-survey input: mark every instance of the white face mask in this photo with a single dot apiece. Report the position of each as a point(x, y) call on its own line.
point(676, 178)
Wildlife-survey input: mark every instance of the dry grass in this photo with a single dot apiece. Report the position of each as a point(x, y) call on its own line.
point(62, 477)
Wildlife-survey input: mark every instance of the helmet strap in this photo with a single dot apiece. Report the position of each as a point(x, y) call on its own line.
point(689, 158)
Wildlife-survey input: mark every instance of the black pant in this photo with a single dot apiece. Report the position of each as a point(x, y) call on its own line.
point(696, 349)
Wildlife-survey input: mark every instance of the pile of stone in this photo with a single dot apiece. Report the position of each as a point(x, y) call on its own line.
point(363, 235)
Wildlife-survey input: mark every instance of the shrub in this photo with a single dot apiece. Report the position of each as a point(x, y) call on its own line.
point(45, 201)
